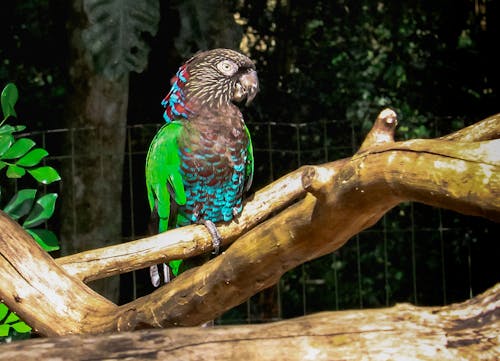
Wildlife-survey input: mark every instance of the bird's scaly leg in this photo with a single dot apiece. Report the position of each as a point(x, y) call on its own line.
point(214, 233)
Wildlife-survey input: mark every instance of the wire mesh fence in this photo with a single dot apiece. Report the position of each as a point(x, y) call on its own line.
point(416, 253)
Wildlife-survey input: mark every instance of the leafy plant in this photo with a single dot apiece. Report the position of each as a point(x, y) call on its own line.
point(115, 34)
point(20, 157)
point(10, 324)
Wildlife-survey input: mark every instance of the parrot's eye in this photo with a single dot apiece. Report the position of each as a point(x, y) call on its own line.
point(227, 67)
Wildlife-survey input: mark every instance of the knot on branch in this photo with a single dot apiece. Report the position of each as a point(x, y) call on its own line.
point(316, 179)
point(382, 131)
point(127, 321)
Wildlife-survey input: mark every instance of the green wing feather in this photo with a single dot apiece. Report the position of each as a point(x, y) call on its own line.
point(250, 163)
point(162, 168)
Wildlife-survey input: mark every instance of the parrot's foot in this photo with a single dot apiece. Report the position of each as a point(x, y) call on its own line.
point(216, 237)
point(154, 274)
point(236, 213)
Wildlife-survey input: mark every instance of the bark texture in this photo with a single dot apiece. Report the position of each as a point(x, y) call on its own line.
point(466, 331)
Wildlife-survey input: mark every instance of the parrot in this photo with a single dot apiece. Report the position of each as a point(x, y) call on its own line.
point(200, 163)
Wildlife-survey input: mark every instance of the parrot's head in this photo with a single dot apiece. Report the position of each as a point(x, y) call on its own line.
point(215, 79)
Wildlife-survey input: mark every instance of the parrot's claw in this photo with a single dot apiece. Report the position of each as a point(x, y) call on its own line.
point(236, 214)
point(154, 275)
point(216, 237)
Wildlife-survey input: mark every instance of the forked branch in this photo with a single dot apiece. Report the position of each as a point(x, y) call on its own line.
point(306, 214)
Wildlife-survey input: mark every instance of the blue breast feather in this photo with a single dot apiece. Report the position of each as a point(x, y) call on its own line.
point(213, 189)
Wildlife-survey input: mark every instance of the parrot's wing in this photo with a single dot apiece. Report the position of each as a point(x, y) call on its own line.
point(163, 177)
point(250, 163)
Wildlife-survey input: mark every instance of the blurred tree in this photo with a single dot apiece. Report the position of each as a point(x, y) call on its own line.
point(106, 43)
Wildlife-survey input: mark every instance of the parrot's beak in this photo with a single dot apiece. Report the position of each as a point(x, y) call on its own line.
point(247, 87)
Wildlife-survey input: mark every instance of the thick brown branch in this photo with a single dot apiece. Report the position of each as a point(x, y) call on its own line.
point(346, 197)
point(182, 242)
point(315, 210)
point(486, 129)
point(194, 240)
point(466, 331)
point(43, 295)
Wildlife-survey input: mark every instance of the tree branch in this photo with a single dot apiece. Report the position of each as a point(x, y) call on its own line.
point(486, 129)
point(194, 240)
point(41, 293)
point(345, 198)
point(465, 331)
point(306, 214)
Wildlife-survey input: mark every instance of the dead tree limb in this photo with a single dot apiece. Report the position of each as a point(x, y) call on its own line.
point(315, 210)
point(465, 331)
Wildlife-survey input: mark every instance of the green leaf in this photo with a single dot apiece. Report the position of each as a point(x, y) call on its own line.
point(15, 172)
point(45, 175)
point(32, 158)
point(21, 327)
point(4, 330)
point(2, 165)
point(20, 204)
point(45, 238)
point(3, 311)
point(11, 318)
point(19, 148)
point(8, 99)
point(6, 141)
point(43, 210)
point(11, 129)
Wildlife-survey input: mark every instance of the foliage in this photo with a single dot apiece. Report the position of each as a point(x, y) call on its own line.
point(114, 36)
point(20, 157)
point(11, 327)
point(336, 60)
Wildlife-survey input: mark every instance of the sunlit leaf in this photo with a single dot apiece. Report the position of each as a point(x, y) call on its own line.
point(15, 172)
point(45, 175)
point(21, 327)
point(6, 141)
point(42, 210)
point(4, 330)
point(3, 310)
point(32, 158)
point(19, 148)
point(8, 99)
point(21, 203)
point(45, 238)
point(11, 318)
